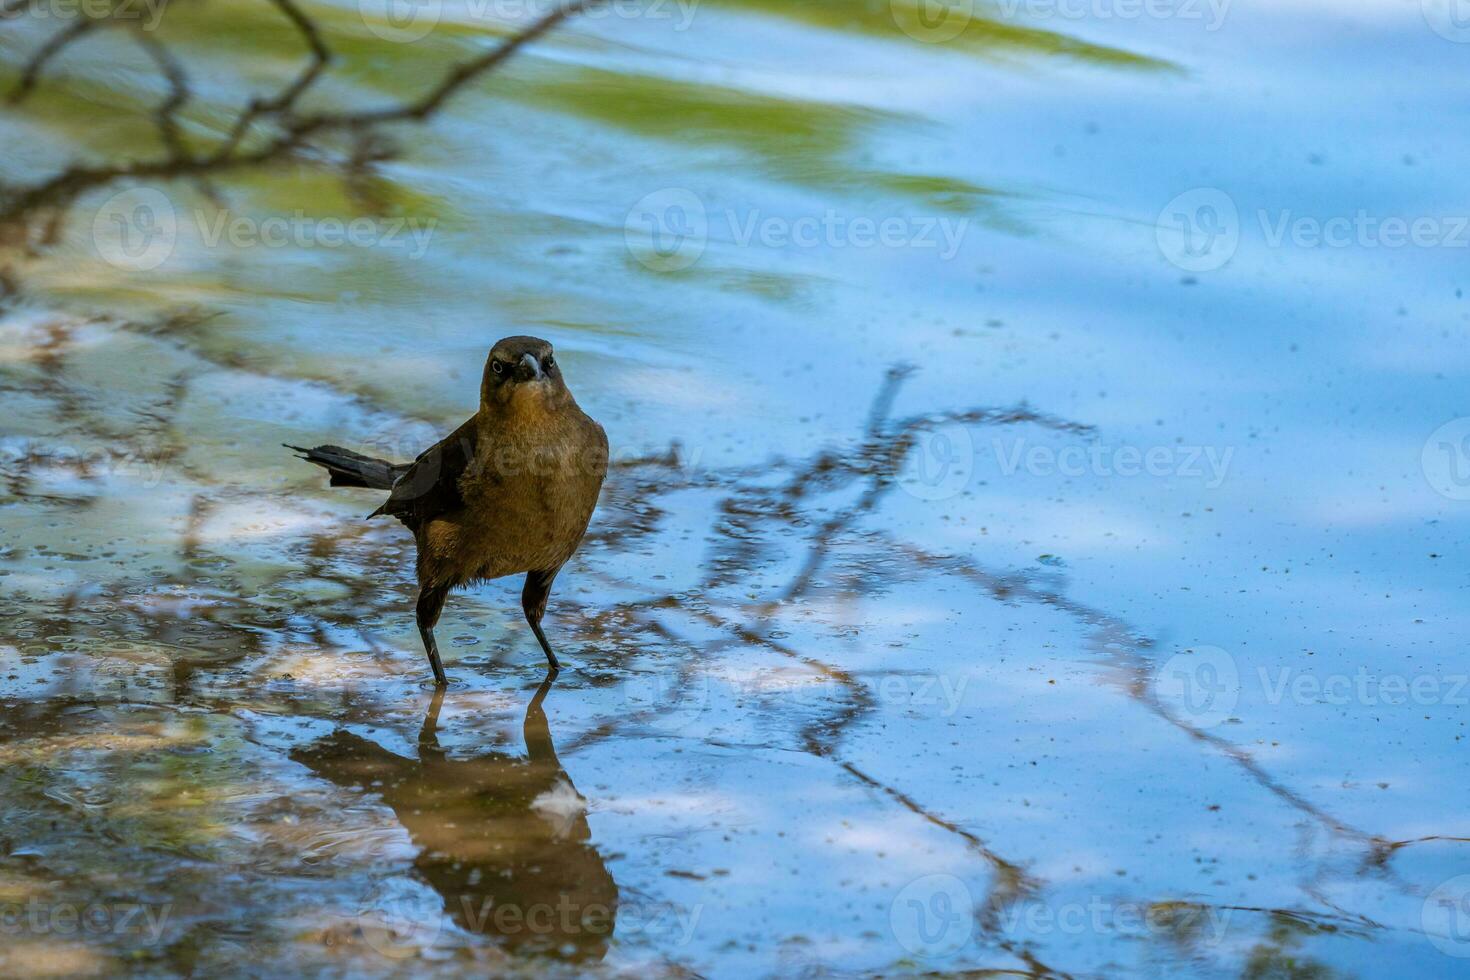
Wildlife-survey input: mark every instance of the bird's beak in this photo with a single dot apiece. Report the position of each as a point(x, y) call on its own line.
point(529, 362)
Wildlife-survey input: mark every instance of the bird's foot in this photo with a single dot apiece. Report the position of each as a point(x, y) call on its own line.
point(450, 684)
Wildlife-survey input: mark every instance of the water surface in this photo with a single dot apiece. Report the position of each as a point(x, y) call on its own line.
point(1061, 582)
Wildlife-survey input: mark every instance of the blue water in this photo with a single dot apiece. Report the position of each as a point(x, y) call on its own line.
point(1183, 694)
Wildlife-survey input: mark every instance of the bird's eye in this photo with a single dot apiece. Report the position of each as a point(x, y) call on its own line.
point(497, 367)
point(550, 361)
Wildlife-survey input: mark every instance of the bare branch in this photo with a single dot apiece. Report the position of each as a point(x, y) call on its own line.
point(459, 75)
point(54, 45)
point(166, 115)
point(296, 131)
point(286, 99)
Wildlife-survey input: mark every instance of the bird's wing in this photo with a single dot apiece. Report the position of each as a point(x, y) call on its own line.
point(431, 485)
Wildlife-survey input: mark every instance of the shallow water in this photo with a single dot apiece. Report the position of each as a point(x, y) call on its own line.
point(1118, 634)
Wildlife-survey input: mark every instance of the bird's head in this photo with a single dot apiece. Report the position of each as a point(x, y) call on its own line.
point(522, 374)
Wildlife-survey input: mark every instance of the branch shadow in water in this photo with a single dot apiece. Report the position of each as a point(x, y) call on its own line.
point(754, 509)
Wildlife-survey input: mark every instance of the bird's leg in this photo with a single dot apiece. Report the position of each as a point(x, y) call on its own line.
point(431, 603)
point(533, 602)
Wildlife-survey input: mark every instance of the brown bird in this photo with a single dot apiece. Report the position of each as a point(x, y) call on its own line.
point(511, 490)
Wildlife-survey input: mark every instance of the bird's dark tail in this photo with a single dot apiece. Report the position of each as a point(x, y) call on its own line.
point(350, 469)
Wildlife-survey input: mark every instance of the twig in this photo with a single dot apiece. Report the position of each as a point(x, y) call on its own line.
point(456, 78)
point(166, 115)
point(54, 45)
point(321, 56)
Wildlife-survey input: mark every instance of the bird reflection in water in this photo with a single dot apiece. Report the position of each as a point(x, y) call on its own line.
point(503, 839)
